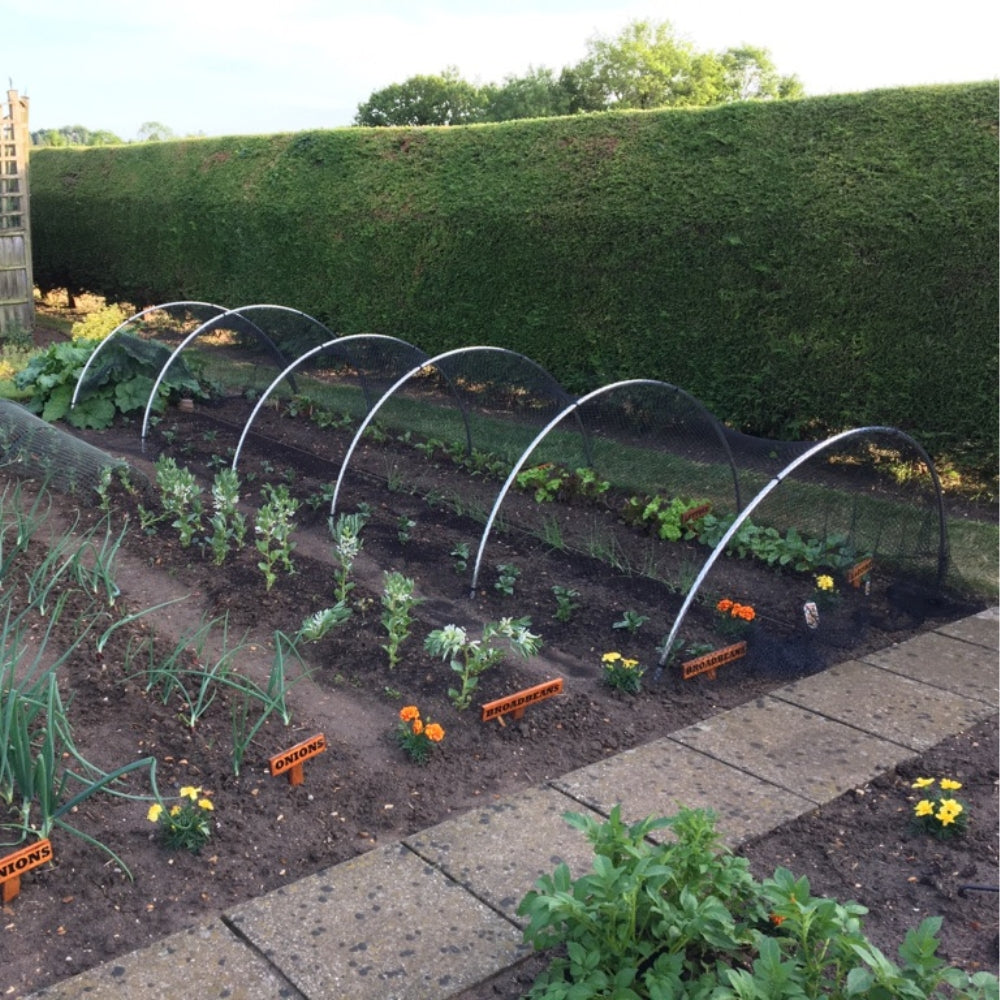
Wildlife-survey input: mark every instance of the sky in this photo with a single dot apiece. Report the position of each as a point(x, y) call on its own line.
point(217, 67)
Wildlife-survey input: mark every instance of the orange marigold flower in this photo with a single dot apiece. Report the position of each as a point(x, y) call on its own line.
point(724, 605)
point(777, 920)
point(434, 733)
point(418, 726)
point(409, 712)
point(747, 613)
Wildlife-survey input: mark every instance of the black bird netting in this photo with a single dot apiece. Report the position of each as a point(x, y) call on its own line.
point(798, 547)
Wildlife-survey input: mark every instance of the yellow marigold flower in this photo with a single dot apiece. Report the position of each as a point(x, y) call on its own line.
point(434, 733)
point(824, 582)
point(174, 810)
point(952, 806)
point(922, 783)
point(190, 792)
point(409, 712)
point(950, 786)
point(418, 726)
point(630, 664)
point(945, 818)
point(724, 605)
point(924, 807)
point(155, 811)
point(205, 804)
point(610, 657)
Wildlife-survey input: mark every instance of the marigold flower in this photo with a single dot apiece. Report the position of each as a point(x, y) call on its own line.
point(205, 804)
point(945, 818)
point(924, 807)
point(745, 612)
point(952, 806)
point(434, 733)
point(724, 605)
point(922, 783)
point(418, 726)
point(409, 712)
point(630, 664)
point(777, 920)
point(950, 786)
point(190, 792)
point(155, 811)
point(174, 810)
point(824, 582)
point(611, 657)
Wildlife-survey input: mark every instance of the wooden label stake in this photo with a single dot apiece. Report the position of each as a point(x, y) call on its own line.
point(290, 761)
point(695, 512)
point(707, 664)
point(13, 866)
point(517, 703)
point(858, 572)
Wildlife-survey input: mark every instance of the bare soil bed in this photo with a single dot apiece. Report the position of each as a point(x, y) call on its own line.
point(85, 909)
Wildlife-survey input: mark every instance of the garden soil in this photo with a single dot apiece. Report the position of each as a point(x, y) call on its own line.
point(90, 906)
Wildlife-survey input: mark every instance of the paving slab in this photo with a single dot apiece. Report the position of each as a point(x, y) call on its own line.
point(803, 752)
point(207, 961)
point(499, 851)
point(944, 662)
point(886, 704)
point(982, 629)
point(383, 926)
point(658, 778)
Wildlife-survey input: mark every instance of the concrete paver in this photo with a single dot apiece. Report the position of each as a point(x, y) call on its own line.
point(499, 851)
point(982, 629)
point(945, 662)
point(207, 962)
point(879, 701)
point(657, 778)
point(385, 925)
point(805, 753)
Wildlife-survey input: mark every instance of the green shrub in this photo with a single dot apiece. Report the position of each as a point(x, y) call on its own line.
point(685, 920)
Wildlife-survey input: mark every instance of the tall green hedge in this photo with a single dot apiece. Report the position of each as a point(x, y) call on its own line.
point(798, 266)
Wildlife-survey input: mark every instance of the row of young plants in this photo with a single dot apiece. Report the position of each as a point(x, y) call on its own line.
point(225, 532)
point(64, 583)
point(683, 918)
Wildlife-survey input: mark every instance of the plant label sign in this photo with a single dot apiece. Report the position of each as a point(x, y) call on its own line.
point(290, 761)
point(858, 572)
point(517, 703)
point(708, 663)
point(695, 512)
point(13, 866)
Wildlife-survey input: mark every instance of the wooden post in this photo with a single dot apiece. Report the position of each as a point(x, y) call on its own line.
point(17, 286)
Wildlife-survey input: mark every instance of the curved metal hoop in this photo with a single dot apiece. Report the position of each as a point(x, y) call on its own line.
point(776, 481)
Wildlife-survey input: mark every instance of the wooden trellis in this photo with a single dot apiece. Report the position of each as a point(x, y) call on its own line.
point(17, 303)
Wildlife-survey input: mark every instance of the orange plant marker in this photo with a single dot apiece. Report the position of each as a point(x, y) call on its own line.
point(290, 761)
point(517, 703)
point(708, 663)
point(13, 866)
point(695, 512)
point(857, 572)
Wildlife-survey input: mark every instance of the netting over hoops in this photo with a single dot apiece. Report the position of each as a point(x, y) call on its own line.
point(849, 549)
point(34, 449)
point(650, 435)
point(167, 324)
point(487, 400)
point(343, 376)
point(234, 356)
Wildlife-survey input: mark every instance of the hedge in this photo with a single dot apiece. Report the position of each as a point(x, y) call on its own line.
point(799, 266)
